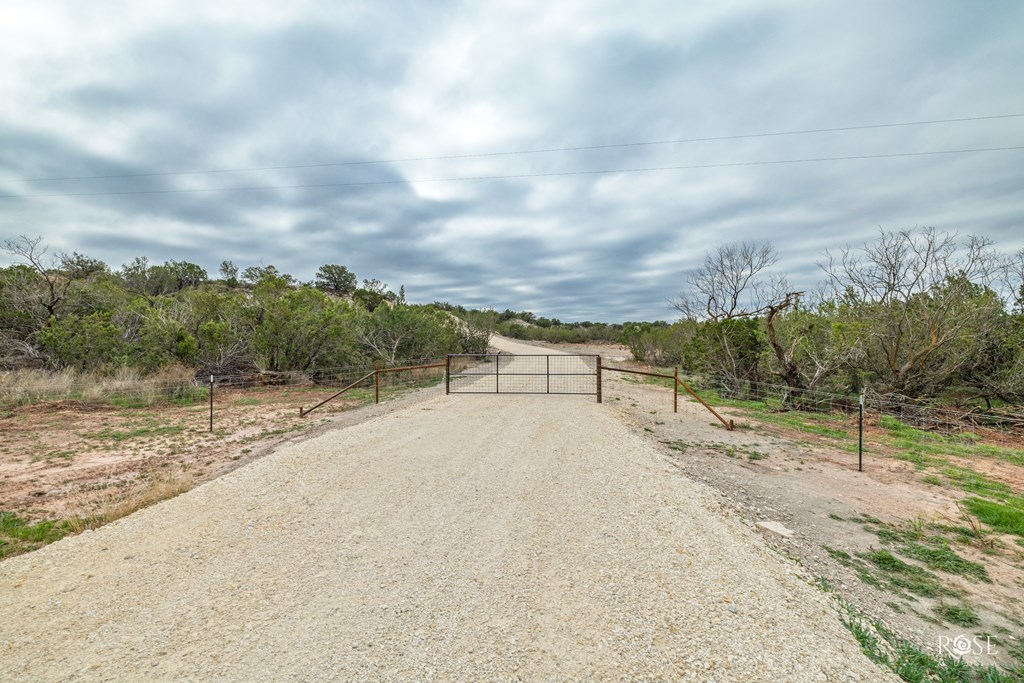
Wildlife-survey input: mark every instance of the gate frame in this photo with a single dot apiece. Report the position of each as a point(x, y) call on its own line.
point(547, 374)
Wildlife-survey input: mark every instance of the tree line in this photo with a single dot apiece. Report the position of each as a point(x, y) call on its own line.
point(915, 313)
point(63, 310)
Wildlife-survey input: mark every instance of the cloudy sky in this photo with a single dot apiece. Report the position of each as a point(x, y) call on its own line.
point(142, 88)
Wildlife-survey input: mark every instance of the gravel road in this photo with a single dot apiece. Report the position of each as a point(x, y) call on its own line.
point(475, 538)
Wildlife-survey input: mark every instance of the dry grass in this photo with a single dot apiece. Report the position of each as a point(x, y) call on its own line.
point(21, 387)
point(152, 490)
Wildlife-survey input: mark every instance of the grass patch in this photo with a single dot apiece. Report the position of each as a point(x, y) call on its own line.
point(924, 443)
point(944, 559)
point(1007, 518)
point(968, 480)
point(248, 401)
point(908, 577)
point(182, 397)
point(961, 615)
point(124, 435)
point(18, 536)
point(840, 555)
point(124, 503)
point(912, 664)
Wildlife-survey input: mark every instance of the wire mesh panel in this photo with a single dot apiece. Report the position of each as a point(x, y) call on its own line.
point(523, 374)
point(473, 374)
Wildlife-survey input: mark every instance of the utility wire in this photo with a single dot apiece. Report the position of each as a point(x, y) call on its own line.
point(518, 176)
point(581, 148)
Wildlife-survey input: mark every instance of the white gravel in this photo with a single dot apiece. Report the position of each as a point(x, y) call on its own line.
point(462, 538)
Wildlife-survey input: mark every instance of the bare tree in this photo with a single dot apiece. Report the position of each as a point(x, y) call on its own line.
point(56, 280)
point(916, 295)
point(731, 283)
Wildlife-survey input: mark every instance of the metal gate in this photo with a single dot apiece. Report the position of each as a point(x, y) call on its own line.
point(523, 374)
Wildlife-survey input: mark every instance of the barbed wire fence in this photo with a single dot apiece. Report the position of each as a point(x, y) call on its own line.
point(943, 419)
point(38, 387)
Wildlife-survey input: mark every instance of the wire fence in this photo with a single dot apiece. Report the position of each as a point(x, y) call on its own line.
point(938, 418)
point(37, 387)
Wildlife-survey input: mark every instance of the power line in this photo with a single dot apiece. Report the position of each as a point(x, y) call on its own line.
point(520, 175)
point(581, 148)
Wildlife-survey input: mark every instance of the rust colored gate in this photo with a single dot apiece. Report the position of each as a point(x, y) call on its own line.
point(500, 373)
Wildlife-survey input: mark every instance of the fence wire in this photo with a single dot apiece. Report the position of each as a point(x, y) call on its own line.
point(945, 419)
point(28, 388)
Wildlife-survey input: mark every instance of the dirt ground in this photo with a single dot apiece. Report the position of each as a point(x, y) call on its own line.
point(813, 488)
point(62, 460)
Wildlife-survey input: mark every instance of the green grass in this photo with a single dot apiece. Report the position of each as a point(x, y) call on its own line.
point(840, 555)
point(18, 536)
point(974, 482)
point(923, 443)
point(248, 401)
point(911, 540)
point(944, 559)
point(908, 577)
point(908, 661)
point(961, 615)
point(1007, 517)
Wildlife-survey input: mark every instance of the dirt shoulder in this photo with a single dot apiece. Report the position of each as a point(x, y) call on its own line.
point(69, 459)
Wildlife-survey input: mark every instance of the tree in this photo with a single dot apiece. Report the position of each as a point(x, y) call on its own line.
point(919, 299)
point(229, 273)
point(147, 281)
point(80, 267)
point(253, 275)
point(186, 274)
point(407, 332)
point(732, 283)
point(372, 294)
point(475, 329)
point(51, 271)
point(335, 279)
point(295, 329)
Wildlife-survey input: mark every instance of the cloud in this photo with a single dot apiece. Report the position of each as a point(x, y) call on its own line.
point(156, 87)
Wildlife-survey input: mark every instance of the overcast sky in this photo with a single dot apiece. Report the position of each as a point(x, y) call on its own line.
point(136, 87)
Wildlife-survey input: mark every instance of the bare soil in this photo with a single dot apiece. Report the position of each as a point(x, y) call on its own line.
point(63, 459)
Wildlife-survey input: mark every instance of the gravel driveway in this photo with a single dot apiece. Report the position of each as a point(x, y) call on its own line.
point(460, 538)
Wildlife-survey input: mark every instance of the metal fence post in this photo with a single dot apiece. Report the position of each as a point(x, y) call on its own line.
point(497, 373)
point(376, 383)
point(599, 379)
point(547, 372)
point(675, 390)
point(860, 434)
point(448, 375)
point(211, 403)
